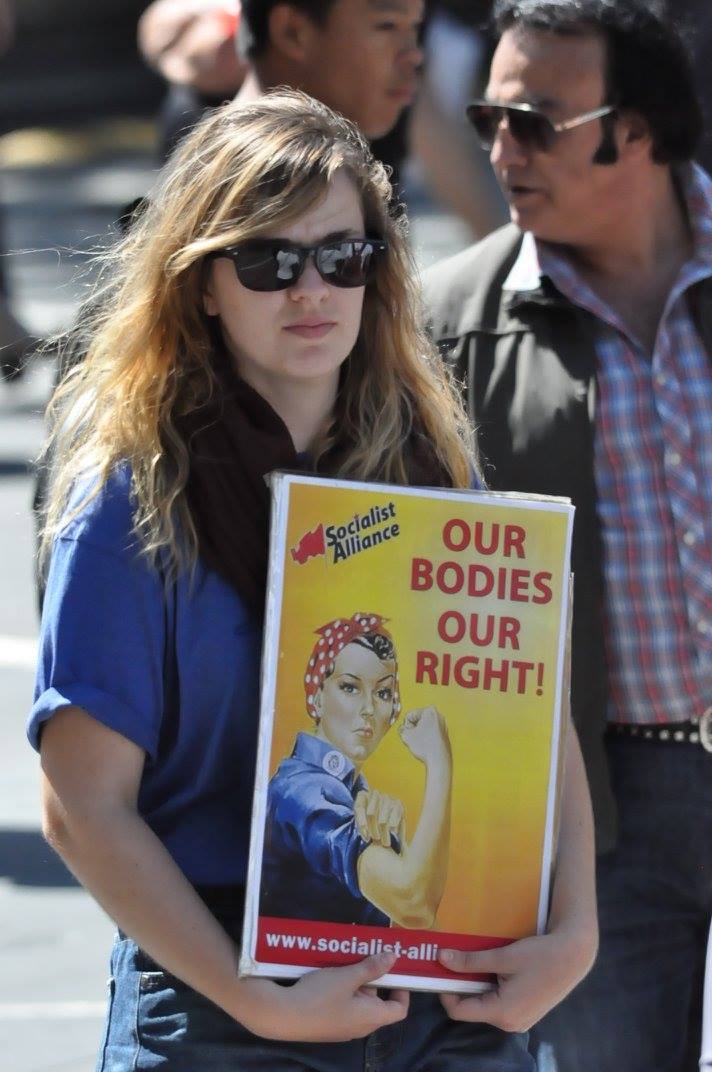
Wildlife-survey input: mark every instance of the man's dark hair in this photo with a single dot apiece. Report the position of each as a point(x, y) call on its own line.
point(254, 21)
point(648, 67)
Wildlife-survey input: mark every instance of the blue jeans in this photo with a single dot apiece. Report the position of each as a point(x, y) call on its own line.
point(640, 1008)
point(157, 1022)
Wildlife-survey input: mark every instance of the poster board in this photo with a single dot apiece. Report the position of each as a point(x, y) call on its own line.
point(471, 590)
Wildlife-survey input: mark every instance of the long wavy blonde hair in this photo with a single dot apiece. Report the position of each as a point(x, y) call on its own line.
point(244, 171)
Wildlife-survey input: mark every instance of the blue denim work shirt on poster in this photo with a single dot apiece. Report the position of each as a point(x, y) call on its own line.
point(172, 667)
point(312, 846)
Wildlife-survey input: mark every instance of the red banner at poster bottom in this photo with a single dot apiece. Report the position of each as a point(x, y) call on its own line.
point(328, 945)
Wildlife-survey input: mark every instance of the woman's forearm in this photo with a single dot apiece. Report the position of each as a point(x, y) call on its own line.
point(91, 780)
point(123, 864)
point(409, 885)
point(120, 861)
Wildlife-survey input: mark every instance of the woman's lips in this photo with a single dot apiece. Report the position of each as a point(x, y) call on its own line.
point(364, 731)
point(310, 331)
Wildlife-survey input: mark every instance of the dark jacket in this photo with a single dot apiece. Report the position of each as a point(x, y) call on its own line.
point(528, 363)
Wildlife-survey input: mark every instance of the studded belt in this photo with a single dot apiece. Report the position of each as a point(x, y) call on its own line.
point(698, 731)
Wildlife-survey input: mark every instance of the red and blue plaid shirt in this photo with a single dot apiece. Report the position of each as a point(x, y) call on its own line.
point(653, 470)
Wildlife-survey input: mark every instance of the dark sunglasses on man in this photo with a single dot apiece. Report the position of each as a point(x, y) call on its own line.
point(267, 264)
point(527, 125)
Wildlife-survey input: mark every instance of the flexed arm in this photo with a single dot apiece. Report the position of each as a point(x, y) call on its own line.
point(408, 886)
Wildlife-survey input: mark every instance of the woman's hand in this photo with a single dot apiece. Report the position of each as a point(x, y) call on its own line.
point(533, 975)
point(327, 1005)
point(378, 816)
point(424, 733)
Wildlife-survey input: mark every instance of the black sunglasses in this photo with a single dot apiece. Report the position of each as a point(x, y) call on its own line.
point(530, 127)
point(275, 264)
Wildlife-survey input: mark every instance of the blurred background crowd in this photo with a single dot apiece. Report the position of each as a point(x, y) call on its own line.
point(86, 86)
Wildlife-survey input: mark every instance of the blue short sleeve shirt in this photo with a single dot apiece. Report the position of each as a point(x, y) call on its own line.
point(173, 667)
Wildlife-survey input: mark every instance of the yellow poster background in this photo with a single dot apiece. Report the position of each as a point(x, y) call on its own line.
point(500, 741)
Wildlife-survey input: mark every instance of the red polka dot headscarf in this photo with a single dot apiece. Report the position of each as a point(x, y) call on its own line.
point(333, 638)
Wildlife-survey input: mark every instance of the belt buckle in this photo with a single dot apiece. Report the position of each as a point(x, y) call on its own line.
point(706, 730)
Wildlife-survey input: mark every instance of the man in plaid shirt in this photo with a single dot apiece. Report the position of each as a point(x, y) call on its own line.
point(584, 333)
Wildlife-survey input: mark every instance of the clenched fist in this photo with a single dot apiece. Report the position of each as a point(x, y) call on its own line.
point(424, 733)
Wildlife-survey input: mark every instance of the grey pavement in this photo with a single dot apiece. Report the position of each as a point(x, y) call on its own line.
point(54, 940)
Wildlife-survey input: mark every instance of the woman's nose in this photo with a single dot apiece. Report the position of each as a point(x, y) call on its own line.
point(310, 284)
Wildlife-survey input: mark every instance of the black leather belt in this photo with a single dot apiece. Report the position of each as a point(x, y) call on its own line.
point(698, 731)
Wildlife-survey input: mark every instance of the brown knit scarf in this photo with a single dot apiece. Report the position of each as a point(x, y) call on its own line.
point(233, 441)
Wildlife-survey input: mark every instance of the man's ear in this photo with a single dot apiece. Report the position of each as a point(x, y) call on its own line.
point(633, 133)
point(292, 33)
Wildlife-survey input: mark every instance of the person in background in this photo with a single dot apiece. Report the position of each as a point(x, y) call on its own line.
point(206, 48)
point(584, 332)
point(361, 57)
point(248, 326)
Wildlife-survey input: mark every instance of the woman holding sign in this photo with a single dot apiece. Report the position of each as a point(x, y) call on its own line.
point(258, 315)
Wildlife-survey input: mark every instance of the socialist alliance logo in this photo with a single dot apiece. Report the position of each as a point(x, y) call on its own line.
point(336, 543)
point(310, 546)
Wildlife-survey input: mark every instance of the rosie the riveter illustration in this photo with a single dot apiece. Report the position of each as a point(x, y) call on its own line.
point(335, 849)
